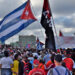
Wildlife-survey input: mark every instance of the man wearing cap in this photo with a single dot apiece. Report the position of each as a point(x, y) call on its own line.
point(59, 69)
point(36, 70)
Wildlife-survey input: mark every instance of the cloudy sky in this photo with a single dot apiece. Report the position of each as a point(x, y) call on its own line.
point(63, 12)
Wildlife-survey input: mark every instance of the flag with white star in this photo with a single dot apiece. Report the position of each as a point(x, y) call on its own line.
point(16, 21)
point(27, 13)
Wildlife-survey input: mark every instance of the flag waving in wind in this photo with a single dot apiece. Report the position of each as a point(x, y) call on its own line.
point(15, 21)
point(46, 23)
point(39, 44)
point(27, 13)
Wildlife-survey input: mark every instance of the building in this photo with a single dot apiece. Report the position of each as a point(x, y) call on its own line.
point(25, 40)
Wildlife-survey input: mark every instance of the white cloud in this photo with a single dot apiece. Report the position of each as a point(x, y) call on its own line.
point(63, 13)
point(0, 19)
point(63, 7)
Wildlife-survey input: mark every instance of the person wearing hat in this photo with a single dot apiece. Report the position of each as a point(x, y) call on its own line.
point(59, 69)
point(68, 61)
point(36, 70)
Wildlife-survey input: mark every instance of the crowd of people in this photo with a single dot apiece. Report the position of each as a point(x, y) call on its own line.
point(17, 61)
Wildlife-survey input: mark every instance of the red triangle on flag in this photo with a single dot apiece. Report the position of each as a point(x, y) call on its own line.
point(27, 13)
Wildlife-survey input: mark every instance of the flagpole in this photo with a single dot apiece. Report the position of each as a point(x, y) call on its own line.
point(55, 31)
point(54, 25)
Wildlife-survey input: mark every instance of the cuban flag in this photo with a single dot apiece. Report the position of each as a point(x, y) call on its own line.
point(15, 21)
point(39, 44)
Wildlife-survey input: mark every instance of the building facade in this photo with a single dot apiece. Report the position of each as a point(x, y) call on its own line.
point(25, 40)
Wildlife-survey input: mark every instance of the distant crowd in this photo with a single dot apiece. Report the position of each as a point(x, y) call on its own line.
point(21, 61)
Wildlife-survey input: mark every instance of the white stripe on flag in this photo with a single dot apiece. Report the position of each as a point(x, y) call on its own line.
point(13, 16)
point(12, 28)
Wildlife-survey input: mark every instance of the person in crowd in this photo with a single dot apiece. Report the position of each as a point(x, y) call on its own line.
point(27, 65)
point(12, 55)
point(50, 64)
point(47, 57)
point(21, 64)
point(73, 57)
point(6, 63)
point(36, 70)
point(39, 55)
point(31, 58)
point(35, 59)
point(41, 64)
point(59, 69)
point(68, 61)
point(15, 65)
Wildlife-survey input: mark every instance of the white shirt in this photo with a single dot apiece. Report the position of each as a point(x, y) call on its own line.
point(6, 62)
point(35, 54)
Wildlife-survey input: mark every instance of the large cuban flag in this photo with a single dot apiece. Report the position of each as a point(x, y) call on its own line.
point(15, 21)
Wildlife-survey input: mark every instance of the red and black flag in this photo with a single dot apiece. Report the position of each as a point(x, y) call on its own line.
point(46, 23)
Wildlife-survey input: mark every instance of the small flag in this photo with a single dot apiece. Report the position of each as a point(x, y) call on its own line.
point(46, 23)
point(60, 33)
point(39, 44)
point(15, 21)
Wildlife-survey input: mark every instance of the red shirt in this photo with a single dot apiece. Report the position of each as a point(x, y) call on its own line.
point(48, 63)
point(69, 63)
point(48, 66)
point(41, 66)
point(36, 71)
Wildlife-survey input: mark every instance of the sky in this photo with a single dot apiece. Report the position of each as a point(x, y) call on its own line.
point(63, 12)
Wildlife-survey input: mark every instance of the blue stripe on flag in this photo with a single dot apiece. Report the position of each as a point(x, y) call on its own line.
point(11, 23)
point(12, 26)
point(16, 10)
point(17, 30)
